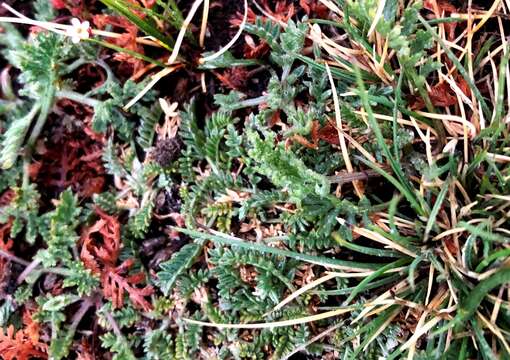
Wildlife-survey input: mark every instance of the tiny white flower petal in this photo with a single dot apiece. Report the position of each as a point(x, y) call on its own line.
point(78, 30)
point(84, 35)
point(71, 32)
point(75, 22)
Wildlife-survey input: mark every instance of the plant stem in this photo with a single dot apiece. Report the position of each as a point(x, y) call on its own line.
point(46, 105)
point(13, 258)
point(80, 98)
point(252, 102)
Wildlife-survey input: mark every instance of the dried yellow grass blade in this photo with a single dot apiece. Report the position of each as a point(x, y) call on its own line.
point(231, 42)
point(270, 325)
point(343, 145)
point(372, 235)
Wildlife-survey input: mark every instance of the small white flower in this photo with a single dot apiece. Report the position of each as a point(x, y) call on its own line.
point(78, 30)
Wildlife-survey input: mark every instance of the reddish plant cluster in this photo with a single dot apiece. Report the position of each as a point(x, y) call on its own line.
point(101, 246)
point(23, 344)
point(6, 244)
point(233, 78)
point(128, 36)
point(443, 8)
point(73, 161)
point(282, 12)
point(314, 7)
point(442, 94)
point(75, 7)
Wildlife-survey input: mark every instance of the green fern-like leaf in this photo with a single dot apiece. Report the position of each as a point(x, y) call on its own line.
point(193, 137)
point(44, 10)
point(39, 61)
point(285, 169)
point(61, 235)
point(106, 201)
point(147, 127)
point(140, 222)
point(181, 347)
point(111, 162)
point(118, 345)
point(158, 345)
point(23, 210)
point(14, 137)
point(266, 30)
point(171, 269)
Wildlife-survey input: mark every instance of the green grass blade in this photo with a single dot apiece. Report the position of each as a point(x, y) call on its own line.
point(484, 234)
point(431, 222)
point(470, 303)
point(412, 270)
point(398, 99)
point(361, 286)
point(374, 284)
point(403, 181)
point(484, 347)
point(121, 8)
point(364, 249)
point(375, 327)
point(500, 100)
point(233, 241)
point(126, 51)
point(486, 262)
point(404, 191)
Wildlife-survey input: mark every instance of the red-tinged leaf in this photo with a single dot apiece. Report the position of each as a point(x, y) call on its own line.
point(75, 7)
point(463, 85)
point(415, 102)
point(5, 245)
point(329, 134)
point(84, 350)
point(101, 245)
point(127, 40)
point(71, 159)
point(442, 95)
point(256, 51)
point(58, 4)
point(315, 8)
point(19, 346)
point(148, 3)
point(275, 119)
point(32, 328)
point(303, 141)
point(314, 132)
point(115, 285)
point(6, 197)
point(234, 78)
point(443, 7)
point(105, 247)
point(136, 278)
point(237, 20)
point(282, 11)
point(450, 244)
